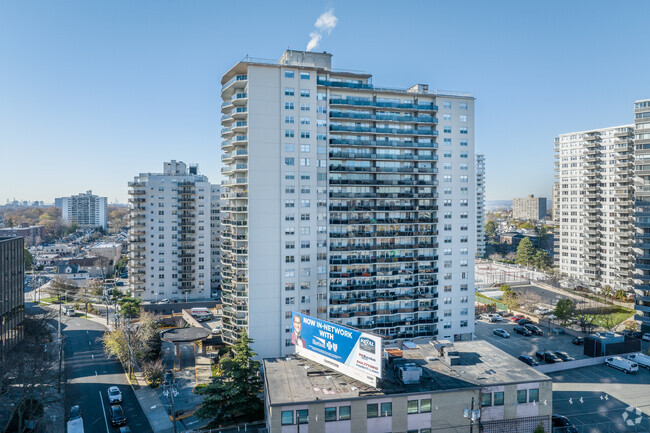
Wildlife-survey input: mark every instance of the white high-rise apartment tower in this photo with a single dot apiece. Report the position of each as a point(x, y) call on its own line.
point(346, 201)
point(87, 210)
point(173, 234)
point(594, 206)
point(480, 205)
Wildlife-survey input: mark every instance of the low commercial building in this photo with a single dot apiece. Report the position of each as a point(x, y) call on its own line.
point(112, 251)
point(427, 386)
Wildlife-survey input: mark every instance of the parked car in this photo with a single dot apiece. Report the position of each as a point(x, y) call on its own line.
point(539, 355)
point(114, 395)
point(501, 333)
point(528, 360)
point(641, 359)
point(578, 341)
point(521, 330)
point(125, 429)
point(164, 301)
point(525, 321)
point(495, 317)
point(565, 356)
point(551, 358)
point(646, 336)
point(622, 364)
point(542, 311)
point(561, 424)
point(117, 416)
point(70, 312)
point(534, 329)
point(517, 318)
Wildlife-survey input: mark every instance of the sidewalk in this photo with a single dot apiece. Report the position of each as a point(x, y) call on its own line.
point(152, 406)
point(203, 369)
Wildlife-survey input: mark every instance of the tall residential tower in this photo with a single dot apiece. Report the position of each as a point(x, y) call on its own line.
point(87, 210)
point(642, 212)
point(480, 205)
point(594, 172)
point(346, 201)
point(171, 240)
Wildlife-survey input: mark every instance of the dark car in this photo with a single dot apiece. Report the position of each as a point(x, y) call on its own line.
point(579, 341)
point(117, 416)
point(125, 429)
point(540, 355)
point(521, 330)
point(528, 360)
point(524, 321)
point(565, 356)
point(534, 329)
point(551, 358)
point(561, 424)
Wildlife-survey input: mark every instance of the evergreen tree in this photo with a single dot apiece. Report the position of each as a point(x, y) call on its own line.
point(490, 230)
point(564, 309)
point(541, 259)
point(234, 395)
point(525, 252)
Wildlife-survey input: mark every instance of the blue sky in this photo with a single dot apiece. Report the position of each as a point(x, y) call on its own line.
point(93, 93)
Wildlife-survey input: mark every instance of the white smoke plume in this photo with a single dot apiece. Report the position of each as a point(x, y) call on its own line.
point(324, 24)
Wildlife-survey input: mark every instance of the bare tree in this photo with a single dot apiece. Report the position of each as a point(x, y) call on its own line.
point(29, 374)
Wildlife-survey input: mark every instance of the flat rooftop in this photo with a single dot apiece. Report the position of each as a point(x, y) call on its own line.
point(294, 380)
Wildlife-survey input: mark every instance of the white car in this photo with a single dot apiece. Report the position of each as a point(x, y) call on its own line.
point(164, 301)
point(114, 395)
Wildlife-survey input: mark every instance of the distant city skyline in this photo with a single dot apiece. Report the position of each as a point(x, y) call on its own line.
point(96, 93)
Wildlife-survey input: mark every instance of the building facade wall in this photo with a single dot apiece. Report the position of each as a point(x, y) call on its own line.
point(85, 209)
point(12, 301)
point(529, 208)
point(170, 239)
point(642, 212)
point(595, 180)
point(480, 205)
point(338, 190)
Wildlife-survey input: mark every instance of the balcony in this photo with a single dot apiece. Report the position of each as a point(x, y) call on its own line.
point(387, 131)
point(384, 117)
point(388, 143)
point(365, 103)
point(237, 82)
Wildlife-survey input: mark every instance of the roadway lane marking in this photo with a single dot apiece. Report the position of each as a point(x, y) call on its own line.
point(104, 411)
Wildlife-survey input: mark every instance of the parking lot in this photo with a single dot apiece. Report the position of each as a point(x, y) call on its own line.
point(600, 399)
point(520, 345)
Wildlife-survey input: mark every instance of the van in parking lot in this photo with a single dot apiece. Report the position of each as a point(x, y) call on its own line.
point(622, 364)
point(641, 359)
point(201, 313)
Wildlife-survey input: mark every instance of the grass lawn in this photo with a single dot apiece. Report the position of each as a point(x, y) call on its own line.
point(618, 315)
point(50, 300)
point(485, 300)
point(214, 369)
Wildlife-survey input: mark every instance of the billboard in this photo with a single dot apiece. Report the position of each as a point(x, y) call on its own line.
point(350, 351)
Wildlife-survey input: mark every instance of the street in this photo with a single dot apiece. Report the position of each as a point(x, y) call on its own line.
point(89, 373)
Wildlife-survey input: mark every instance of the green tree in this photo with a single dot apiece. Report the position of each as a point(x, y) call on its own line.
point(541, 259)
point(564, 309)
point(505, 288)
point(620, 295)
point(234, 395)
point(71, 229)
point(539, 428)
point(29, 259)
point(129, 307)
point(525, 225)
point(510, 299)
point(491, 230)
point(607, 292)
point(525, 252)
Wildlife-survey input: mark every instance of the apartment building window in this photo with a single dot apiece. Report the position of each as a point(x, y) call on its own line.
point(463, 154)
point(288, 105)
point(289, 273)
point(447, 288)
point(446, 104)
point(447, 251)
point(446, 313)
point(372, 410)
point(447, 202)
point(289, 133)
point(463, 130)
point(344, 413)
point(463, 142)
point(446, 129)
point(447, 301)
point(305, 285)
point(305, 258)
point(447, 141)
point(498, 399)
point(330, 414)
point(289, 91)
point(463, 105)
point(533, 395)
point(321, 110)
point(464, 312)
point(304, 230)
point(289, 161)
point(522, 395)
point(288, 74)
point(305, 134)
point(464, 179)
point(386, 409)
point(289, 286)
point(425, 405)
point(304, 217)
point(486, 399)
point(288, 119)
point(289, 259)
point(321, 96)
point(446, 116)
point(412, 406)
point(447, 178)
point(463, 117)
point(447, 166)
point(289, 175)
point(290, 245)
point(304, 75)
point(287, 415)
point(305, 93)
point(289, 190)
point(304, 203)
point(463, 287)
point(305, 300)
point(464, 299)
point(289, 203)
point(305, 121)
point(304, 106)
